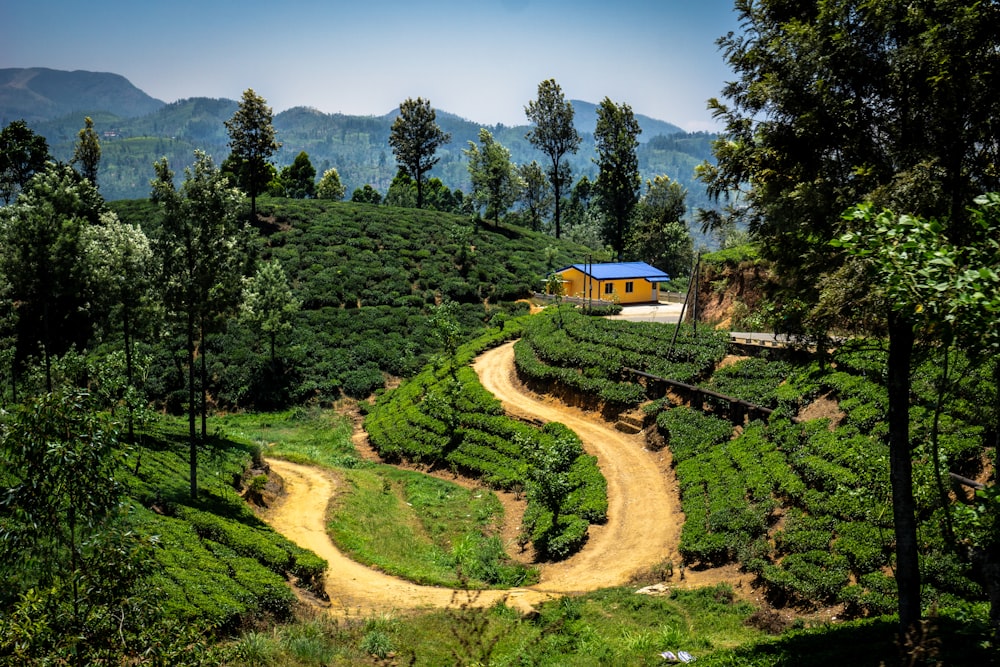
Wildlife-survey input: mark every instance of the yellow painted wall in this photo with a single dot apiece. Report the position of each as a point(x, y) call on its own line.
point(575, 285)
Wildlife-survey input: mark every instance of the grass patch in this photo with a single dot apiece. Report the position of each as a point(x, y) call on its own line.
point(607, 627)
point(424, 529)
point(301, 435)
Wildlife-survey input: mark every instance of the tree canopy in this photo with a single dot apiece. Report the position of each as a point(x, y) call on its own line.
point(415, 137)
point(839, 102)
point(555, 135)
point(22, 154)
point(659, 236)
point(252, 141)
point(494, 177)
point(87, 153)
point(618, 182)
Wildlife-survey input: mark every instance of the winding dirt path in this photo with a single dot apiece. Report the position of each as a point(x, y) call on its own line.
point(643, 526)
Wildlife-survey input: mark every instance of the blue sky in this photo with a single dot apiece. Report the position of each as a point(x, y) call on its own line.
point(480, 59)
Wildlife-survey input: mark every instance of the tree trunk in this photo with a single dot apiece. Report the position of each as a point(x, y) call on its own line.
point(204, 382)
point(127, 335)
point(192, 433)
point(901, 474)
point(555, 191)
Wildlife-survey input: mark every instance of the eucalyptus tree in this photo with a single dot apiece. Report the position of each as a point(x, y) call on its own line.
point(42, 259)
point(87, 152)
point(618, 181)
point(555, 135)
point(494, 177)
point(659, 236)
point(415, 138)
point(839, 102)
point(252, 141)
point(203, 254)
point(22, 154)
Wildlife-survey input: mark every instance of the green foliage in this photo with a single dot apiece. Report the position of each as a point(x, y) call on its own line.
point(216, 561)
point(424, 529)
point(42, 253)
point(68, 554)
point(22, 154)
point(658, 235)
point(618, 183)
point(444, 416)
point(493, 176)
point(415, 137)
point(298, 180)
point(252, 140)
point(829, 486)
point(330, 186)
point(555, 135)
point(367, 279)
point(87, 153)
point(590, 354)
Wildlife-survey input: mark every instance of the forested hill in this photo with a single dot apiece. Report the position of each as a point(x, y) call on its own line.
point(357, 146)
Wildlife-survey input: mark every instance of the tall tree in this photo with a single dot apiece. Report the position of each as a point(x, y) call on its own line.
point(534, 195)
point(87, 152)
point(122, 265)
point(618, 180)
point(330, 186)
point(42, 258)
point(659, 236)
point(299, 178)
point(415, 137)
point(252, 141)
point(22, 154)
point(554, 134)
point(848, 100)
point(202, 252)
point(494, 178)
point(268, 302)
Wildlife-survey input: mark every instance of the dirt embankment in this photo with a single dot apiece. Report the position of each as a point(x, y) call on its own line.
point(643, 527)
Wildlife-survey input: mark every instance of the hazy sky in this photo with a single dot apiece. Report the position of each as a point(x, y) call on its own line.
point(480, 59)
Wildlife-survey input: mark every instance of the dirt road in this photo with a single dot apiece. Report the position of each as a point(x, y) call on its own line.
point(643, 526)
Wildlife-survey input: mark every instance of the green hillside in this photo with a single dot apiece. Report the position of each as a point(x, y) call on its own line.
point(367, 278)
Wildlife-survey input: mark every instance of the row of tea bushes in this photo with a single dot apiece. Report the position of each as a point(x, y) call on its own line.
point(592, 356)
point(806, 506)
point(216, 561)
point(444, 417)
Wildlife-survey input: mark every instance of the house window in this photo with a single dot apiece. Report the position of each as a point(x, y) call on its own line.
point(628, 287)
point(609, 288)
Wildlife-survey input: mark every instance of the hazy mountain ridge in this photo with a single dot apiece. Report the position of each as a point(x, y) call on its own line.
point(357, 146)
point(39, 94)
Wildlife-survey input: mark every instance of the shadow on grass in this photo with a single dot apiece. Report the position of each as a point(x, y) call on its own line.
point(868, 642)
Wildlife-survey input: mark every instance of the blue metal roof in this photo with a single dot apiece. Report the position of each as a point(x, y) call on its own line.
point(619, 271)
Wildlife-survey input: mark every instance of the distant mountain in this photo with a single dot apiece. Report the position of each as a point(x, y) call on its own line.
point(585, 120)
point(39, 94)
point(357, 146)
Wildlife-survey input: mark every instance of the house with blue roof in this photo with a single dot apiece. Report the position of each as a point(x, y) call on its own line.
point(619, 282)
